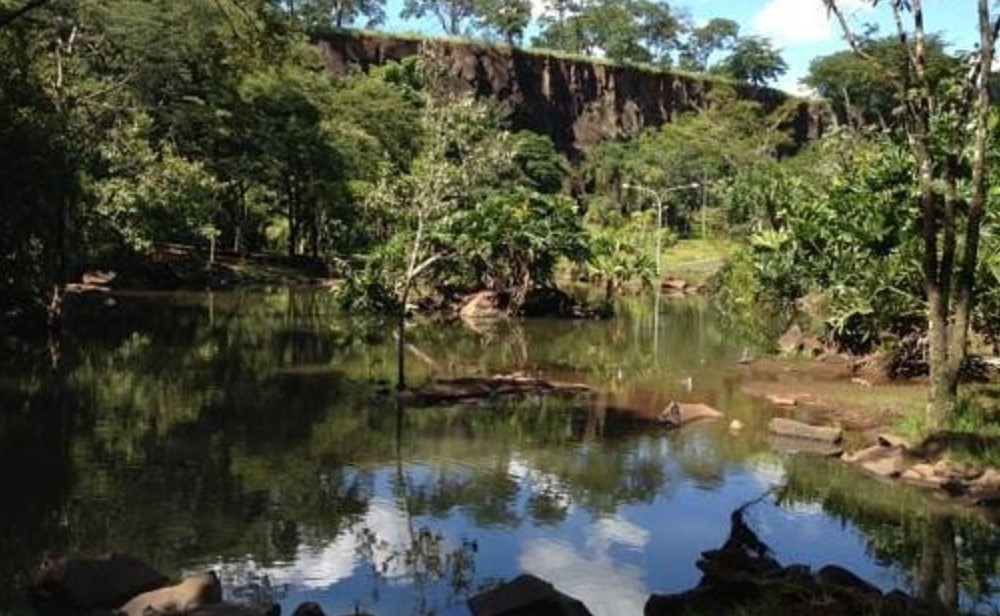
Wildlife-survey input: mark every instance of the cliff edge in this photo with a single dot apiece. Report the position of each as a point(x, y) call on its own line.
point(577, 102)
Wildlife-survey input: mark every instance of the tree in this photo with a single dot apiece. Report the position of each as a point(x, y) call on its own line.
point(454, 16)
point(949, 139)
point(859, 91)
point(507, 18)
point(621, 30)
point(342, 13)
point(704, 41)
point(753, 60)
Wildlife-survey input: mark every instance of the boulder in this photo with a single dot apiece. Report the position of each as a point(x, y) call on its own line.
point(736, 425)
point(796, 429)
point(832, 575)
point(75, 585)
point(526, 595)
point(240, 609)
point(482, 305)
point(193, 592)
point(99, 278)
point(879, 461)
point(309, 608)
point(790, 342)
point(674, 284)
point(676, 414)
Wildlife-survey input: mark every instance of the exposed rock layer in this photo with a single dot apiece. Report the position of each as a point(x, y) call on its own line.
point(576, 102)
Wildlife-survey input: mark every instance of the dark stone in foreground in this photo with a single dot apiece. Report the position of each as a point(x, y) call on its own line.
point(743, 574)
point(526, 595)
point(77, 586)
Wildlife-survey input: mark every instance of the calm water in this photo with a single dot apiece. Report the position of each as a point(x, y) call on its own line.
point(251, 433)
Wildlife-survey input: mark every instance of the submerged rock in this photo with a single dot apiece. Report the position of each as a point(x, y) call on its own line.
point(879, 461)
point(526, 595)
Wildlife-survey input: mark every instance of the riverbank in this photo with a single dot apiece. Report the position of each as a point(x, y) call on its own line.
point(886, 436)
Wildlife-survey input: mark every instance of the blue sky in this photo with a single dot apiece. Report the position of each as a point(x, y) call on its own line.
point(798, 27)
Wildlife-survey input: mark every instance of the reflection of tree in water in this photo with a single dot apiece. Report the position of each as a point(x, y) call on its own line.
point(947, 550)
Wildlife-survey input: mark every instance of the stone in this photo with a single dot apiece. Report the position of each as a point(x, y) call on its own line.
point(526, 595)
point(482, 305)
point(891, 440)
point(75, 585)
point(833, 575)
point(674, 284)
point(989, 479)
point(797, 429)
point(677, 414)
point(99, 278)
point(192, 592)
point(922, 475)
point(736, 425)
point(240, 609)
point(879, 461)
point(309, 608)
point(782, 400)
point(790, 445)
point(790, 342)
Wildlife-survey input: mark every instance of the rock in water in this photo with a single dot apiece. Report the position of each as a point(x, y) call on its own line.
point(238, 609)
point(193, 592)
point(797, 429)
point(676, 414)
point(75, 585)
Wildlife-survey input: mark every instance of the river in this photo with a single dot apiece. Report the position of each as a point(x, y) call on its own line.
point(254, 433)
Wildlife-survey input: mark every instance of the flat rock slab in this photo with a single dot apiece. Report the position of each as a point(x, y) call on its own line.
point(796, 429)
point(786, 444)
point(879, 461)
point(782, 400)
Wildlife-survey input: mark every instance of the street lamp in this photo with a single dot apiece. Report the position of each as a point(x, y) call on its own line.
point(658, 197)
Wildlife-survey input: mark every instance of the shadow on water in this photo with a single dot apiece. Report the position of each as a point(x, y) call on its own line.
point(254, 433)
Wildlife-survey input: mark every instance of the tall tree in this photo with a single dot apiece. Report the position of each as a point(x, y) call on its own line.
point(753, 60)
point(702, 42)
point(858, 89)
point(342, 13)
point(507, 18)
point(949, 137)
point(454, 16)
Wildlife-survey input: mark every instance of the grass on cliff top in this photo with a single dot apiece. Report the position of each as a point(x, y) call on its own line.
point(540, 52)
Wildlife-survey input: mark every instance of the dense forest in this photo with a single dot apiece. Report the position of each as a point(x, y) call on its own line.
point(126, 125)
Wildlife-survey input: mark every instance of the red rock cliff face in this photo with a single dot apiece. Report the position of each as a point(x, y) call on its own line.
point(575, 102)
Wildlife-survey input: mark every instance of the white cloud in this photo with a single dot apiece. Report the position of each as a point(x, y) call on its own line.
point(801, 21)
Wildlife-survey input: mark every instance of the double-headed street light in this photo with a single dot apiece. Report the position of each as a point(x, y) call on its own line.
point(660, 200)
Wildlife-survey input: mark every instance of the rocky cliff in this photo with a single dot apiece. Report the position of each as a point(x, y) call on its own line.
point(577, 102)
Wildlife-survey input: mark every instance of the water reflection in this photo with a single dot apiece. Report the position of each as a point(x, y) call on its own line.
point(253, 433)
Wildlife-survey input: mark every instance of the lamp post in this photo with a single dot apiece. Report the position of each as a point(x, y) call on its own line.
point(660, 200)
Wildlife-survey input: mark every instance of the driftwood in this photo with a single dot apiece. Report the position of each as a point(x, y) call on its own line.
point(478, 389)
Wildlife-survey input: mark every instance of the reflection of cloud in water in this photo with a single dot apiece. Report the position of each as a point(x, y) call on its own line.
point(618, 530)
point(539, 482)
point(768, 474)
point(607, 589)
point(324, 566)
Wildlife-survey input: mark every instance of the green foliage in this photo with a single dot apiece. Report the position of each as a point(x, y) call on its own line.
point(753, 60)
point(840, 231)
point(623, 246)
point(147, 196)
point(506, 18)
point(544, 168)
point(639, 31)
point(340, 13)
point(454, 16)
point(863, 93)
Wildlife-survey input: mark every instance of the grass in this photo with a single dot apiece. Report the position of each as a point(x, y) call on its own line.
point(696, 260)
point(971, 432)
